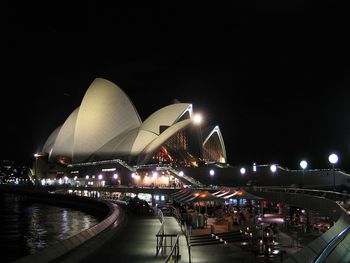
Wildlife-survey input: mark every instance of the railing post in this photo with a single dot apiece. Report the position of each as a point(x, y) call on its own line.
point(164, 247)
point(189, 244)
point(177, 250)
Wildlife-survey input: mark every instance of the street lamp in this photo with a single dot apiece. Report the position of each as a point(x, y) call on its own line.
point(273, 168)
point(197, 120)
point(36, 178)
point(242, 170)
point(212, 172)
point(303, 165)
point(333, 159)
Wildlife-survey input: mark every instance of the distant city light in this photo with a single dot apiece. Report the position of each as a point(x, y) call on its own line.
point(115, 176)
point(212, 172)
point(242, 170)
point(254, 167)
point(273, 168)
point(100, 177)
point(181, 173)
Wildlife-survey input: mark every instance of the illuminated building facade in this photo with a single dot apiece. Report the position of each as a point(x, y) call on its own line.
point(106, 132)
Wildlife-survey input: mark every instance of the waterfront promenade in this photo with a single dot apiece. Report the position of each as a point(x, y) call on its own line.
point(136, 243)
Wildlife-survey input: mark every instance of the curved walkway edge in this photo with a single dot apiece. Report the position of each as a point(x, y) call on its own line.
point(84, 243)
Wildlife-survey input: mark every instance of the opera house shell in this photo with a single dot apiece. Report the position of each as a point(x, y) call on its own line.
point(105, 136)
point(107, 125)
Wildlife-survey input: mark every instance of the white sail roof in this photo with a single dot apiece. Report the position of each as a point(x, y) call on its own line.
point(63, 145)
point(166, 116)
point(51, 140)
point(105, 112)
point(217, 131)
point(107, 125)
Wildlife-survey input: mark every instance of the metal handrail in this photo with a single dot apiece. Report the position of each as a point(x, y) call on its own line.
point(174, 250)
point(332, 245)
point(188, 241)
point(301, 190)
point(160, 234)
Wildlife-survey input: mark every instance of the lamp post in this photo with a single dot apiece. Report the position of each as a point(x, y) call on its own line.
point(303, 165)
point(273, 169)
point(197, 120)
point(36, 179)
point(333, 159)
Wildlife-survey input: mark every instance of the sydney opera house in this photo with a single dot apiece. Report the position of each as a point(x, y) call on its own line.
point(105, 140)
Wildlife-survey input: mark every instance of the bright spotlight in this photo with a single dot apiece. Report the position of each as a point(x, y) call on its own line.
point(333, 158)
point(242, 170)
point(197, 119)
point(181, 173)
point(303, 164)
point(212, 172)
point(273, 168)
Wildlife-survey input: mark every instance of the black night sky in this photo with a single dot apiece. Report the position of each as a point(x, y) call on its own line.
point(274, 75)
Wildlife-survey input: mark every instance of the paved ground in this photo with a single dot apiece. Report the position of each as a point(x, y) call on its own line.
point(293, 239)
point(137, 243)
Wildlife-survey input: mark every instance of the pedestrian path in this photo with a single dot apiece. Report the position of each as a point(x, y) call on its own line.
point(137, 243)
point(293, 240)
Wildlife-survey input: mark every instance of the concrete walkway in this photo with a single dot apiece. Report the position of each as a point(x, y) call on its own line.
point(137, 243)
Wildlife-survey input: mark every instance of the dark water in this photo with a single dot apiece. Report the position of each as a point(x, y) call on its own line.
point(26, 226)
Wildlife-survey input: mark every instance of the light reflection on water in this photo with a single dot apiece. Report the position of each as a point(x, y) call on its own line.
point(26, 227)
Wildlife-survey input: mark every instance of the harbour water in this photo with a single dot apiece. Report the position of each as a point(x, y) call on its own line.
point(27, 226)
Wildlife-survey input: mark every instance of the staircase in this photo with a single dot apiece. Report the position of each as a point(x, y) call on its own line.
point(218, 238)
point(124, 164)
point(189, 179)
